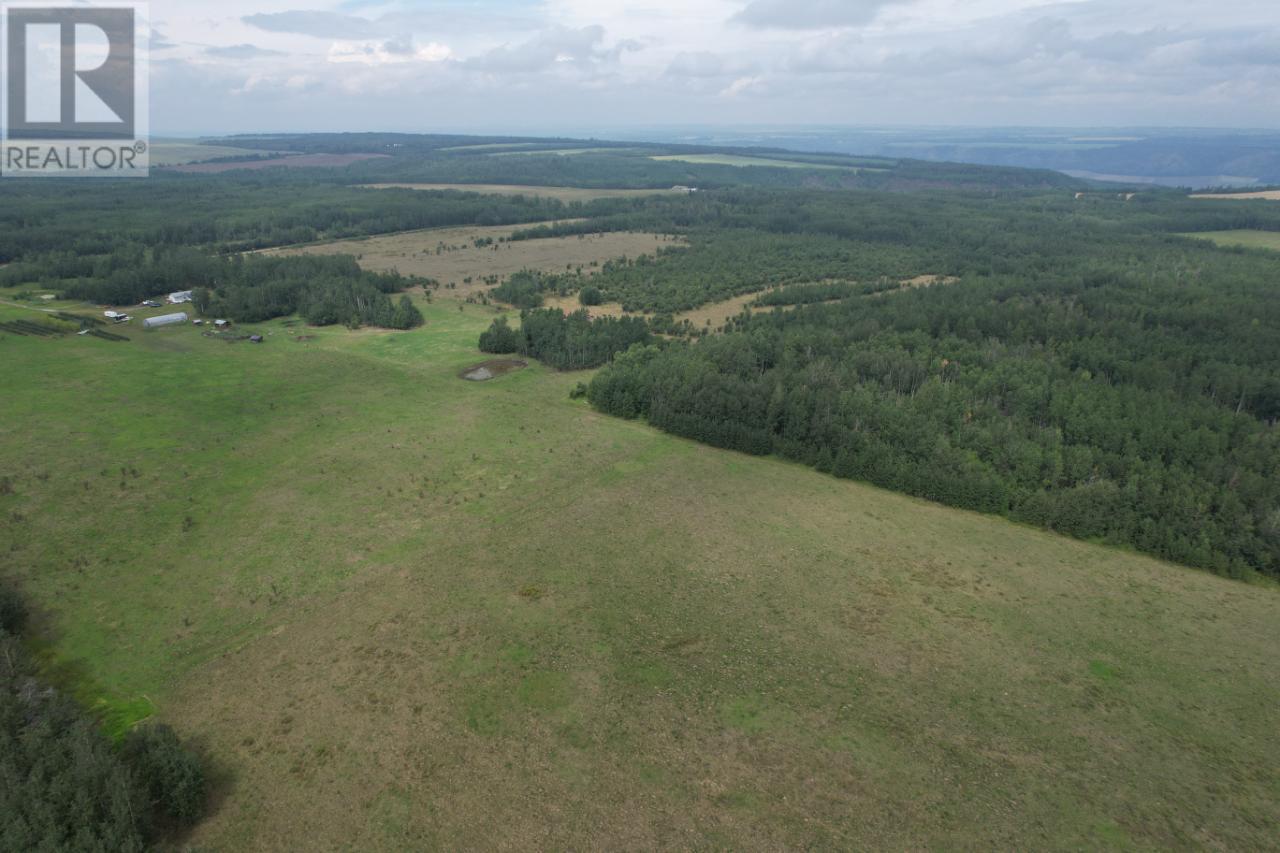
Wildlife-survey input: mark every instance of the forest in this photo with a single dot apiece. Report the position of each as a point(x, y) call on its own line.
point(1090, 374)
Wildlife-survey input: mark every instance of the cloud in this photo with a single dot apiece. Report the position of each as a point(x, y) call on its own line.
point(326, 25)
point(810, 14)
point(697, 64)
point(388, 52)
point(744, 86)
point(242, 51)
point(553, 48)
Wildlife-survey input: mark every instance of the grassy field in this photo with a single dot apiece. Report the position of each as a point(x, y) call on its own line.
point(401, 610)
point(450, 255)
point(1243, 238)
point(741, 160)
point(180, 153)
point(565, 194)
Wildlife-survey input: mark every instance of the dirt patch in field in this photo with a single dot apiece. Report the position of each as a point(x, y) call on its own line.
point(717, 314)
point(571, 304)
point(928, 281)
point(301, 161)
point(492, 369)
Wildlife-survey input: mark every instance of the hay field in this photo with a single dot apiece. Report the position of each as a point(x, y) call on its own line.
point(451, 256)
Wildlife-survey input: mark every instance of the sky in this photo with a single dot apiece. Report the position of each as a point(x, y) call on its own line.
point(590, 66)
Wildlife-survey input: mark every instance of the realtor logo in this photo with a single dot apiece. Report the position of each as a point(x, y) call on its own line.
point(74, 90)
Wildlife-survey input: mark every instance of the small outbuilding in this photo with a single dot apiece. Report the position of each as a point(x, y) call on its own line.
point(165, 320)
point(221, 324)
point(181, 296)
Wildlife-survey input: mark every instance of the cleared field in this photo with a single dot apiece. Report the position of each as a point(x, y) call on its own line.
point(569, 152)
point(181, 153)
point(296, 161)
point(451, 256)
point(493, 146)
point(739, 160)
point(565, 194)
point(1268, 195)
point(407, 611)
point(1243, 238)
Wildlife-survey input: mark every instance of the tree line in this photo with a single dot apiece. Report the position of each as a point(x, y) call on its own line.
point(64, 785)
point(565, 341)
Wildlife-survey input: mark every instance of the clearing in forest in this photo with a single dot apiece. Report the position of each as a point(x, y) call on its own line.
point(1242, 238)
point(296, 161)
point(466, 257)
point(1268, 195)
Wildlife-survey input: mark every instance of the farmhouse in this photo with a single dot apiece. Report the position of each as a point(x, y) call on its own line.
point(180, 297)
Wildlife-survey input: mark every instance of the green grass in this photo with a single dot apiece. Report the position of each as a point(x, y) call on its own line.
point(1243, 238)
point(406, 611)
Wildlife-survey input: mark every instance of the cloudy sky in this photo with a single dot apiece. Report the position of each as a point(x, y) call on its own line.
point(576, 66)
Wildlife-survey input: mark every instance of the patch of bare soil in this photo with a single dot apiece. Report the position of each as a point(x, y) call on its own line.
point(492, 369)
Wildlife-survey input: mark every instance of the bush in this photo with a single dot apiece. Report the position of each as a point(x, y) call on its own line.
point(500, 339)
point(172, 777)
point(523, 290)
point(590, 295)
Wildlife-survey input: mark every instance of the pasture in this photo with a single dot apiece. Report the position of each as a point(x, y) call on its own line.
point(452, 256)
point(403, 610)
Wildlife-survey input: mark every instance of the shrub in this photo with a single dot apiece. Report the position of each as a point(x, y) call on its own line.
point(590, 295)
point(13, 611)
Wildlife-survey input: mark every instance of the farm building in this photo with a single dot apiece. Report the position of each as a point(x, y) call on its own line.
point(166, 320)
point(181, 297)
